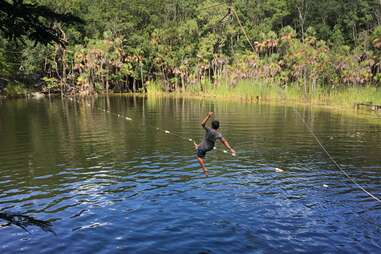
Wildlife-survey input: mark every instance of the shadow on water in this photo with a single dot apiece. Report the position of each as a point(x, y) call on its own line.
point(23, 221)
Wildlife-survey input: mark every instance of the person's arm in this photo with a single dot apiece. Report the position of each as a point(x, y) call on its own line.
point(203, 123)
point(227, 145)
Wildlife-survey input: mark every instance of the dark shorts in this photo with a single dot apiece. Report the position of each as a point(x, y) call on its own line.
point(201, 153)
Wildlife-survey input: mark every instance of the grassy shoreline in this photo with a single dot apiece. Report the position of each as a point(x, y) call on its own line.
point(339, 101)
point(256, 91)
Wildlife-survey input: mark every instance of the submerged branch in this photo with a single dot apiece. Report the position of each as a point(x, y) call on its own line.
point(24, 221)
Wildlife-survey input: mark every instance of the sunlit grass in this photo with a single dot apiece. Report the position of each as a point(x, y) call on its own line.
point(256, 90)
point(15, 90)
point(154, 88)
point(351, 95)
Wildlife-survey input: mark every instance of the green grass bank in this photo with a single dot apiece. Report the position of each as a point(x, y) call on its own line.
point(254, 91)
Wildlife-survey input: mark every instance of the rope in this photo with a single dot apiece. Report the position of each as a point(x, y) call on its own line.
point(168, 132)
point(243, 29)
point(333, 160)
point(13, 63)
point(156, 128)
point(11, 51)
point(211, 6)
point(242, 159)
point(237, 17)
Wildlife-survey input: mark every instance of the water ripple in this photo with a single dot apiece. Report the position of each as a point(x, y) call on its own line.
point(109, 185)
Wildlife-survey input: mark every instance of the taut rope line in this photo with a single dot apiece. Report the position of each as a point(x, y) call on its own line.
point(333, 160)
point(127, 118)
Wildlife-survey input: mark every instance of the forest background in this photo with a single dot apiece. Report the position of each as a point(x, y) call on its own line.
point(325, 51)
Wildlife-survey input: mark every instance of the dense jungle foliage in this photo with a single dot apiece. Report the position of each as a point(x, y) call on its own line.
point(189, 45)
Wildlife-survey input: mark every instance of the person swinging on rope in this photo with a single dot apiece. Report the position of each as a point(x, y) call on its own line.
point(207, 144)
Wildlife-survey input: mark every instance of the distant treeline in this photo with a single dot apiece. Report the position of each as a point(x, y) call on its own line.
point(126, 45)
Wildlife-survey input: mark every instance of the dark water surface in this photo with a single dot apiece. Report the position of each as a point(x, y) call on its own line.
point(110, 185)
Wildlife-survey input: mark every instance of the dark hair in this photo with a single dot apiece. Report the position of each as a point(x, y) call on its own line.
point(215, 124)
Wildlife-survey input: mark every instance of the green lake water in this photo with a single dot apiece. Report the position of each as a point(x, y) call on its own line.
point(114, 185)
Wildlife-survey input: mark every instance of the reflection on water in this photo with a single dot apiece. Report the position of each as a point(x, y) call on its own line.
point(111, 185)
point(24, 221)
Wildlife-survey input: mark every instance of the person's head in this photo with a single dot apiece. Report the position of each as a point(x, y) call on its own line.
point(215, 124)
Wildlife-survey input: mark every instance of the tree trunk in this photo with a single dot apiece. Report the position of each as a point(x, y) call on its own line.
point(63, 70)
point(209, 75)
point(378, 13)
point(354, 34)
point(302, 16)
point(182, 83)
point(141, 75)
point(305, 83)
point(62, 58)
point(107, 84)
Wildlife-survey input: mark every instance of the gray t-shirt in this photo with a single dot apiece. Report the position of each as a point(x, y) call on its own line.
point(210, 138)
